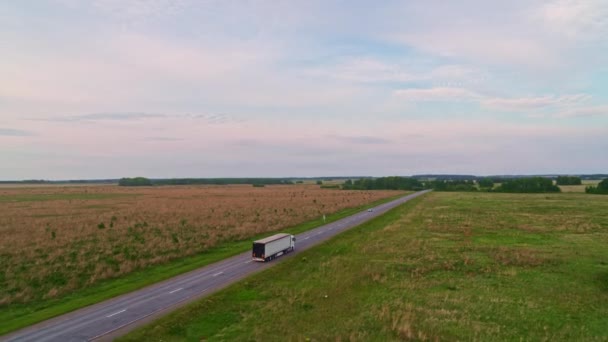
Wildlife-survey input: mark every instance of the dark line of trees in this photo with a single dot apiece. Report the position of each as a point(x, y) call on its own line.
point(528, 185)
point(142, 181)
point(137, 181)
point(221, 181)
point(485, 183)
point(600, 189)
point(456, 185)
point(384, 183)
point(518, 185)
point(569, 180)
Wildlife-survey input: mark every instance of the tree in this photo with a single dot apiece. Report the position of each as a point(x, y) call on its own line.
point(452, 185)
point(486, 183)
point(601, 188)
point(528, 185)
point(137, 181)
point(569, 180)
point(383, 183)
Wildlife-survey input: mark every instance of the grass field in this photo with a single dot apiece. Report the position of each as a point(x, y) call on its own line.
point(62, 273)
point(447, 266)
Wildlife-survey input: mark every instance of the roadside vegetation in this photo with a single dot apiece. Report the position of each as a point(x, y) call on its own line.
point(64, 248)
point(446, 266)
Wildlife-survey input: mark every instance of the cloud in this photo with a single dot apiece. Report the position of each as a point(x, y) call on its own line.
point(576, 20)
point(365, 69)
point(109, 117)
point(8, 132)
point(584, 112)
point(162, 139)
point(361, 139)
point(129, 13)
point(379, 70)
point(437, 94)
point(455, 94)
point(481, 46)
point(485, 33)
point(214, 119)
point(528, 103)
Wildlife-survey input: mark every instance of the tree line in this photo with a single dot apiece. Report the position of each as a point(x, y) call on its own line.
point(384, 183)
point(528, 185)
point(518, 185)
point(142, 181)
point(569, 180)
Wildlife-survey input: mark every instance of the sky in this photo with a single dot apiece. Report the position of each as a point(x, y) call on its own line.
point(196, 88)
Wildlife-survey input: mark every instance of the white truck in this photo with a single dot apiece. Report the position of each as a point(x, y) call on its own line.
point(273, 246)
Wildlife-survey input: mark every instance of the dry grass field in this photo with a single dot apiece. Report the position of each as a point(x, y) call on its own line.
point(578, 188)
point(59, 239)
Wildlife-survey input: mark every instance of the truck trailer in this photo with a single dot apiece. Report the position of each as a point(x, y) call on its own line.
point(273, 246)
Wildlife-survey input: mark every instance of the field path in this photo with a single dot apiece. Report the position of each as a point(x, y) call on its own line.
point(117, 316)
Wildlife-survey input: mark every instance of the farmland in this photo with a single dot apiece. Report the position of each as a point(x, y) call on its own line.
point(579, 188)
point(447, 266)
point(56, 240)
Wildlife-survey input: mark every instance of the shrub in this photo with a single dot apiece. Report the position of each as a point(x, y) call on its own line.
point(486, 183)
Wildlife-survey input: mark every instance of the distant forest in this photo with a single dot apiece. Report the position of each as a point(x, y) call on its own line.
point(142, 181)
point(438, 182)
point(500, 178)
point(568, 180)
point(384, 183)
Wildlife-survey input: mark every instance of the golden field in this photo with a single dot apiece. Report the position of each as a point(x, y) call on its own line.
point(59, 239)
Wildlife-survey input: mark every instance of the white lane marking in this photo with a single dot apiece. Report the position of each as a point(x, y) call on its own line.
point(218, 273)
point(146, 315)
point(306, 238)
point(248, 261)
point(181, 288)
point(116, 313)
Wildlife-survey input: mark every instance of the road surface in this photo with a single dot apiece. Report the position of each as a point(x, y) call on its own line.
point(116, 316)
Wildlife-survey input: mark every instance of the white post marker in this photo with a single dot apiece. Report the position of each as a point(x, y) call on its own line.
point(323, 218)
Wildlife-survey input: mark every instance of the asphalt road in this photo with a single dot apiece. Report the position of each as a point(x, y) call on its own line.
point(119, 315)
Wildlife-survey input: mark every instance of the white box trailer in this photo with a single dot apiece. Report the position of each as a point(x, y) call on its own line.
point(273, 246)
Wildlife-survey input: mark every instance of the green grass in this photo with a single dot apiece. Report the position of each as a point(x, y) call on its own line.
point(58, 197)
point(446, 266)
point(16, 316)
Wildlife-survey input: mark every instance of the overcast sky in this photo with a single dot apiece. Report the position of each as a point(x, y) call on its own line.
point(169, 88)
